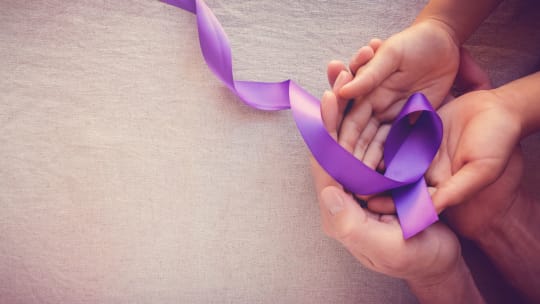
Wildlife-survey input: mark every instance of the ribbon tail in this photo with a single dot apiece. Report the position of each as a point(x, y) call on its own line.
point(414, 208)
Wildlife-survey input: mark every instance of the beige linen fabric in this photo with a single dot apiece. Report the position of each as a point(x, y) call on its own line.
point(129, 174)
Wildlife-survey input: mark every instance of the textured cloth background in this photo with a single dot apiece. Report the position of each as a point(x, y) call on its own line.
point(129, 174)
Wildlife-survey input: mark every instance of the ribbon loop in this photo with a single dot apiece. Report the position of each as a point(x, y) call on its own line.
point(408, 151)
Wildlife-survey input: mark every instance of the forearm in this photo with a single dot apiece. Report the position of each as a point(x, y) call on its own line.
point(461, 17)
point(457, 287)
point(514, 246)
point(522, 97)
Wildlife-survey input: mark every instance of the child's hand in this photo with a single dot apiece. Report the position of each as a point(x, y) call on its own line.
point(422, 58)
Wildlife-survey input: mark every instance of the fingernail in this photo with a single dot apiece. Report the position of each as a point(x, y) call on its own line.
point(333, 201)
point(327, 94)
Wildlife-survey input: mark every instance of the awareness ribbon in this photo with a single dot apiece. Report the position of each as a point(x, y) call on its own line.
point(408, 150)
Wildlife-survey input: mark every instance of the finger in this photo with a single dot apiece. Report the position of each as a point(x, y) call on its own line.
point(381, 167)
point(331, 204)
point(364, 54)
point(390, 113)
point(361, 57)
point(333, 69)
point(343, 78)
point(329, 113)
point(353, 125)
point(470, 179)
point(363, 233)
point(336, 208)
point(374, 153)
point(383, 100)
point(375, 43)
point(380, 67)
point(322, 180)
point(383, 204)
point(357, 229)
point(440, 169)
point(365, 138)
point(323, 213)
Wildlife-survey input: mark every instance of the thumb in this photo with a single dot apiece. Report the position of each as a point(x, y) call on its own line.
point(368, 77)
point(367, 236)
point(350, 224)
point(469, 180)
point(333, 69)
point(330, 113)
point(343, 215)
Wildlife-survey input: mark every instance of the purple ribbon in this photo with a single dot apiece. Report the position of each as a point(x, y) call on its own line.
point(408, 151)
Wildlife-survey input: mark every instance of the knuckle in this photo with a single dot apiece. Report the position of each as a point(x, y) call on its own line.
point(361, 145)
point(344, 231)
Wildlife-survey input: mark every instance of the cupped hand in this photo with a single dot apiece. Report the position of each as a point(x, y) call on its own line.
point(422, 58)
point(479, 165)
point(382, 75)
point(376, 240)
point(477, 171)
point(475, 187)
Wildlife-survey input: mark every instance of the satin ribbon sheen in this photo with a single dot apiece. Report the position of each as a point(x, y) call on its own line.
point(408, 151)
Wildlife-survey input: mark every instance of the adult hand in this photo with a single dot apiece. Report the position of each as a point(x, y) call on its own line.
point(478, 168)
point(480, 135)
point(376, 240)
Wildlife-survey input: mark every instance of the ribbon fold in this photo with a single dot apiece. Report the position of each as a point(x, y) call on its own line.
point(408, 150)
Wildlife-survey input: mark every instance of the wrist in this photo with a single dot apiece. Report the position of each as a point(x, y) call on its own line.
point(513, 246)
point(521, 213)
point(509, 100)
point(441, 25)
point(460, 16)
point(454, 286)
point(520, 98)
